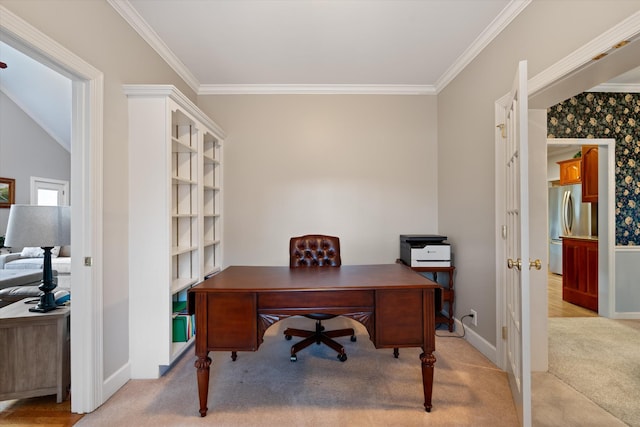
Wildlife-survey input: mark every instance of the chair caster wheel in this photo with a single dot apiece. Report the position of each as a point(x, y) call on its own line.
point(294, 358)
point(287, 337)
point(342, 357)
point(353, 338)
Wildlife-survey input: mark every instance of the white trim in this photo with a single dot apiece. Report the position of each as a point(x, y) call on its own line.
point(184, 102)
point(137, 22)
point(620, 248)
point(291, 89)
point(508, 14)
point(626, 30)
point(478, 342)
point(631, 315)
point(617, 88)
point(117, 380)
point(86, 214)
point(500, 222)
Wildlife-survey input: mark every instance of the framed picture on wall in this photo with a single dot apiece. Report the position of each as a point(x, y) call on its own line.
point(7, 192)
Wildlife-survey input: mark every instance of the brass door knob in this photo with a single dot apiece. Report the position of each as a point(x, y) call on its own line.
point(535, 264)
point(517, 263)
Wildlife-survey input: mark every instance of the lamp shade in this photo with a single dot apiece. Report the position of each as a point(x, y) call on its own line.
point(43, 226)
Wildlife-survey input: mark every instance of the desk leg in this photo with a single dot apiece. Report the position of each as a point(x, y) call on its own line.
point(202, 365)
point(428, 361)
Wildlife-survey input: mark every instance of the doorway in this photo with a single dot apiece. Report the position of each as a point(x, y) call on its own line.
point(86, 209)
point(600, 217)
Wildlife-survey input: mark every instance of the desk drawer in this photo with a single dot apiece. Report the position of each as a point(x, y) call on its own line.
point(315, 299)
point(231, 321)
point(400, 318)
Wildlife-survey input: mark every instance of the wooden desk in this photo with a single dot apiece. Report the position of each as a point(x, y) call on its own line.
point(444, 295)
point(34, 352)
point(234, 308)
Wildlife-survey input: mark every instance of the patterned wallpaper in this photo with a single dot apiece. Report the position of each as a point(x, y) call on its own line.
point(608, 115)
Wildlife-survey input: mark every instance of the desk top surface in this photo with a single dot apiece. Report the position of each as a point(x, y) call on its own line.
point(250, 278)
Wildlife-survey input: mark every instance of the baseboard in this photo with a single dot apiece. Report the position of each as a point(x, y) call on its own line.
point(479, 343)
point(626, 315)
point(112, 384)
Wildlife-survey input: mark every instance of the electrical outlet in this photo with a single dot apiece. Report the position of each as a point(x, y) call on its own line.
point(474, 319)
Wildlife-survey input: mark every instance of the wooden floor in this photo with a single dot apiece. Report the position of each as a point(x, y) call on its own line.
point(37, 411)
point(44, 411)
point(560, 308)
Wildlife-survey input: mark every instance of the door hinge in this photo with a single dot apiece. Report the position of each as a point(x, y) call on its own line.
point(88, 261)
point(504, 332)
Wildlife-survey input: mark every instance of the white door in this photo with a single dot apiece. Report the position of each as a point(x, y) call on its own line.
point(517, 246)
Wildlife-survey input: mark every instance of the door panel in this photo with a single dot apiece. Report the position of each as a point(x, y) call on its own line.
point(517, 246)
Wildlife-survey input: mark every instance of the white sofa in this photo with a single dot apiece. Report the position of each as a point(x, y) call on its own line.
point(29, 259)
point(19, 270)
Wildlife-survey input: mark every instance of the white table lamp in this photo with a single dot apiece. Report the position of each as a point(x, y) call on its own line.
point(43, 226)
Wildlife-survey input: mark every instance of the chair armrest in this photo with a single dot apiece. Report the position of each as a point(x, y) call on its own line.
point(8, 257)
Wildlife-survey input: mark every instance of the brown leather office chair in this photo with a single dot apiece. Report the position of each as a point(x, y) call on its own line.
point(316, 251)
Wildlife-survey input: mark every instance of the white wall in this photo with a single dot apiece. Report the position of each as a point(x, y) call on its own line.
point(26, 150)
point(361, 167)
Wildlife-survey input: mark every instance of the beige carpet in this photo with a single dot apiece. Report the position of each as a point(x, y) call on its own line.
point(370, 389)
point(600, 358)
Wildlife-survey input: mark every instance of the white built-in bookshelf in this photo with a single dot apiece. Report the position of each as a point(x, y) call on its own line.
point(175, 200)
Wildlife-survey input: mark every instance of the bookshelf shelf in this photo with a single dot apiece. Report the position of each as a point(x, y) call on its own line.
point(175, 227)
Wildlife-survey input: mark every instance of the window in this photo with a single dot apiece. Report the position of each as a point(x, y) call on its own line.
point(49, 192)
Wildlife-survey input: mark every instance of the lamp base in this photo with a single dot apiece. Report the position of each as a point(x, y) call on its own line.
point(47, 299)
point(47, 303)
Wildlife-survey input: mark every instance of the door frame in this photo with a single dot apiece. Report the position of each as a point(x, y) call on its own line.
point(541, 85)
point(86, 208)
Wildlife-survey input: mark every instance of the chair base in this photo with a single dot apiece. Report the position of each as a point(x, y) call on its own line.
point(319, 336)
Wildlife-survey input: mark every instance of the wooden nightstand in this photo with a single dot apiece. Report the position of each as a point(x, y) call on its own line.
point(34, 352)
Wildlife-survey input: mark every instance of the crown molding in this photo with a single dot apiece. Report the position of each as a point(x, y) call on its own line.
point(146, 90)
point(508, 14)
point(133, 18)
point(629, 29)
point(294, 89)
point(617, 87)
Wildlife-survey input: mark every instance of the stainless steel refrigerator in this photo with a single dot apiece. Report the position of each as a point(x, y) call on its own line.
point(568, 216)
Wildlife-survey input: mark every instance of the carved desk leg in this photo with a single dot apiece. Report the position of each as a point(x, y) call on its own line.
point(427, 378)
point(202, 365)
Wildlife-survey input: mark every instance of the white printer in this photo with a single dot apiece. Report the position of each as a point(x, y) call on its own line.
point(425, 250)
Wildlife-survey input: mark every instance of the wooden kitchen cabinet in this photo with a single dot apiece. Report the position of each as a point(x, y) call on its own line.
point(570, 171)
point(580, 272)
point(589, 173)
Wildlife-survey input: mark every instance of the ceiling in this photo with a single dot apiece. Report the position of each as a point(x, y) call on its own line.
point(355, 46)
point(43, 94)
point(291, 46)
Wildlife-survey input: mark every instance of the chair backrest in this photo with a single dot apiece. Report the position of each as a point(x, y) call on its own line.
point(314, 250)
